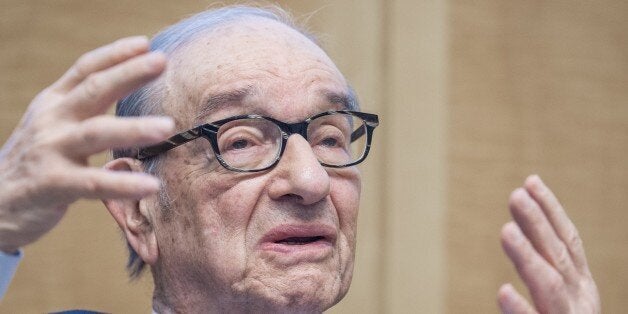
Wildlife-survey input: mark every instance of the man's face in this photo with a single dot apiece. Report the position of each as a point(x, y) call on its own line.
point(284, 237)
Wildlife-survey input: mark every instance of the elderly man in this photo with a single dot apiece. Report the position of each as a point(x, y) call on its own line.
point(252, 205)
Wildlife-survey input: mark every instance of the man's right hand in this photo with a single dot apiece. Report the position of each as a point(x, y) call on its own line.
point(44, 164)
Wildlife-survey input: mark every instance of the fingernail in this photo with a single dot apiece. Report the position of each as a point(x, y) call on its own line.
point(515, 233)
point(155, 59)
point(505, 289)
point(150, 184)
point(137, 41)
point(163, 121)
point(153, 183)
point(162, 124)
point(533, 182)
point(518, 195)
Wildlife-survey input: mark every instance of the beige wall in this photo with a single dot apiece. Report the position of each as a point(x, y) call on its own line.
point(472, 97)
point(536, 87)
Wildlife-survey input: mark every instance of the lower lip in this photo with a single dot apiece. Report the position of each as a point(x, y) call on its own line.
point(304, 252)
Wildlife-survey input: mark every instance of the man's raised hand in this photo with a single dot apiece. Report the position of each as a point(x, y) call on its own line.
point(547, 252)
point(44, 164)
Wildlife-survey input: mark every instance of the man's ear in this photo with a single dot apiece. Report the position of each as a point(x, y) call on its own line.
point(133, 216)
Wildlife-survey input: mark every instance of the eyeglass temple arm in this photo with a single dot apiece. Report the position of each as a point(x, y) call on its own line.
point(356, 134)
point(169, 144)
point(360, 131)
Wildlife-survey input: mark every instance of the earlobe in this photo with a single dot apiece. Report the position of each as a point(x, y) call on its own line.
point(133, 217)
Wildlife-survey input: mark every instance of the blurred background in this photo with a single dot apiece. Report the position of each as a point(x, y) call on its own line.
point(473, 96)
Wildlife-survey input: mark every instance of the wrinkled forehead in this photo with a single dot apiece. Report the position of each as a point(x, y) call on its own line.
point(253, 66)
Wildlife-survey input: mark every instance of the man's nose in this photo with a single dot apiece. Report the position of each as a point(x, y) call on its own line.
point(299, 174)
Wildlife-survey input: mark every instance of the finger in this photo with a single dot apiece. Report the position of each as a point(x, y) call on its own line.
point(96, 93)
point(100, 59)
point(106, 184)
point(564, 227)
point(538, 230)
point(107, 132)
point(545, 284)
point(511, 302)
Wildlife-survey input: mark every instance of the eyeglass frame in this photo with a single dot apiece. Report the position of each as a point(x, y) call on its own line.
point(209, 131)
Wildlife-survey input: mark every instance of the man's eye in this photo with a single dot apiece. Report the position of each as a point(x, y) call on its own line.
point(240, 144)
point(329, 142)
point(328, 137)
point(236, 143)
point(238, 139)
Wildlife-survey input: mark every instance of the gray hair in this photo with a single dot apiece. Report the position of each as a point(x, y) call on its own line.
point(146, 100)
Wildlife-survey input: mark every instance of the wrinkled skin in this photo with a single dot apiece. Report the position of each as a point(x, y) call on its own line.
point(205, 252)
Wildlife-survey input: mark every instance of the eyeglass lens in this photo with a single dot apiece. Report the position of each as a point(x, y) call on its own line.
point(255, 143)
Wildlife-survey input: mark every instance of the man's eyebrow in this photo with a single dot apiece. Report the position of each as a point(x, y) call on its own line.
point(346, 100)
point(215, 102)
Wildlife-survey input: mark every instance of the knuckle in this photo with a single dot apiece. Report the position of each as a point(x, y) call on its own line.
point(40, 121)
point(93, 84)
point(52, 178)
point(574, 240)
point(55, 175)
point(44, 104)
point(554, 284)
point(81, 66)
point(44, 141)
point(88, 135)
point(562, 258)
point(44, 95)
point(91, 186)
point(585, 284)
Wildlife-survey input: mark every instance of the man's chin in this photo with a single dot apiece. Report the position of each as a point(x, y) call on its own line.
point(301, 288)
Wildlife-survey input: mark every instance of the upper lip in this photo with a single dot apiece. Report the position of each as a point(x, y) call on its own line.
point(283, 232)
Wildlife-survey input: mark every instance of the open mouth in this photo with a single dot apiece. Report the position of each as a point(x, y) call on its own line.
point(300, 240)
point(317, 239)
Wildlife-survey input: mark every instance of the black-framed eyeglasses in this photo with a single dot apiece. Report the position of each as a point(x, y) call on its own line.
point(250, 143)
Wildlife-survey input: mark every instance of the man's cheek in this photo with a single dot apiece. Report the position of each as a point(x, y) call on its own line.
point(345, 197)
point(237, 202)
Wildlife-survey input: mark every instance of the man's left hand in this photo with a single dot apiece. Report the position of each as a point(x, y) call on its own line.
point(547, 252)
